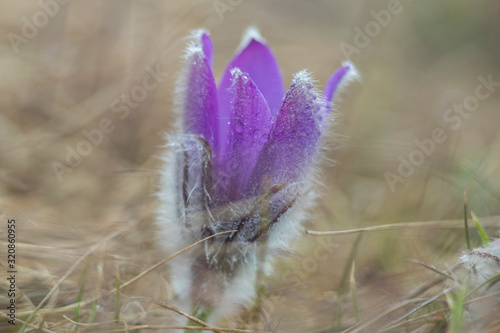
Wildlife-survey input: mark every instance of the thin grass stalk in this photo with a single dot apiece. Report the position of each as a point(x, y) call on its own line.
point(466, 223)
point(80, 295)
point(354, 296)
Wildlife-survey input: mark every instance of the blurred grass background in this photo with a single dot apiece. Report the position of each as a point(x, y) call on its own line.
point(65, 78)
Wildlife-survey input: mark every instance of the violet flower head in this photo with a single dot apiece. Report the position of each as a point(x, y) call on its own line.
point(242, 161)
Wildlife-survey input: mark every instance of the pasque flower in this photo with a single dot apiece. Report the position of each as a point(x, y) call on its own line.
point(242, 161)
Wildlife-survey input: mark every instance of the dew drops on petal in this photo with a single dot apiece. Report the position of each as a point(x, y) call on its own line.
point(238, 127)
point(257, 134)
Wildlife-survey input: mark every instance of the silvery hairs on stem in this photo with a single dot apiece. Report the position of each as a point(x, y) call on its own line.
point(242, 160)
point(483, 266)
point(483, 263)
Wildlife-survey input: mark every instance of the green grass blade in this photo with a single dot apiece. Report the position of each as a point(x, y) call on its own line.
point(484, 237)
point(456, 302)
point(466, 223)
point(80, 296)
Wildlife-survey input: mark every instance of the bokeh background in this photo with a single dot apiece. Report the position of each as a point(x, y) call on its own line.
point(62, 78)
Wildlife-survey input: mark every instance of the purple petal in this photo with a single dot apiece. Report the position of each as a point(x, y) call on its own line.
point(208, 47)
point(256, 59)
point(294, 137)
point(249, 129)
point(337, 80)
point(199, 97)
